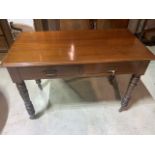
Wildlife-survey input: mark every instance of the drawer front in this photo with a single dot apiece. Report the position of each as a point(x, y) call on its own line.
point(138, 67)
point(49, 72)
point(84, 70)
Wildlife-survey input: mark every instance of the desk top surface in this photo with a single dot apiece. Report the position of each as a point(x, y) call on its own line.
point(75, 47)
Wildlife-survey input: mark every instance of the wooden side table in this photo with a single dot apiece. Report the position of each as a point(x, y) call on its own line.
point(80, 53)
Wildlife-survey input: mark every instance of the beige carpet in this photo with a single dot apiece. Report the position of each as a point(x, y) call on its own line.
point(86, 106)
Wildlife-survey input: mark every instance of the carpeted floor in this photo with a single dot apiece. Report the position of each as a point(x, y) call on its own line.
point(84, 106)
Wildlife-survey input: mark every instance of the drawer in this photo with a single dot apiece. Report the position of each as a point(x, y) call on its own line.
point(84, 70)
point(49, 72)
point(115, 68)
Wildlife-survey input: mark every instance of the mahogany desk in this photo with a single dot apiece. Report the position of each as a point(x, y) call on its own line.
point(80, 53)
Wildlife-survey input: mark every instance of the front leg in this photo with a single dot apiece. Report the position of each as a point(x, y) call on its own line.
point(125, 100)
point(24, 94)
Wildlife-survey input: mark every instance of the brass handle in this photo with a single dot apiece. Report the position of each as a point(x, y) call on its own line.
point(112, 72)
point(50, 73)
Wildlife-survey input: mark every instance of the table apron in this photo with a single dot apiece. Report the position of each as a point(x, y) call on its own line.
point(85, 70)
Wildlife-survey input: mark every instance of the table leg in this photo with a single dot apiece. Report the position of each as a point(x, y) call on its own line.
point(113, 81)
point(24, 94)
point(125, 100)
point(39, 84)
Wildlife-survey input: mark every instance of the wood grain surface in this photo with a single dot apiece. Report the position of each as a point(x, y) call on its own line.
point(76, 47)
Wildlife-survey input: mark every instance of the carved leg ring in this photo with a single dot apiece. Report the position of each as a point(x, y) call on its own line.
point(125, 100)
point(39, 84)
point(24, 94)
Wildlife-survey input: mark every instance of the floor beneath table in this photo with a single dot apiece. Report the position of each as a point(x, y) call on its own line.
point(84, 106)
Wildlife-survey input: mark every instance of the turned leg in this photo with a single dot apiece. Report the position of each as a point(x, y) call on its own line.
point(113, 81)
point(24, 94)
point(125, 100)
point(39, 84)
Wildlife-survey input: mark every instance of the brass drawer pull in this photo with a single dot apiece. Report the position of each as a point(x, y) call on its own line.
point(50, 73)
point(112, 72)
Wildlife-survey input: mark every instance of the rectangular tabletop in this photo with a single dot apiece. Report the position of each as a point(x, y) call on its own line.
point(76, 47)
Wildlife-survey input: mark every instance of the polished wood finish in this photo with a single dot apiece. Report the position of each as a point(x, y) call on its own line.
point(46, 24)
point(85, 70)
point(38, 24)
point(132, 84)
point(76, 47)
point(111, 23)
point(78, 24)
point(63, 24)
point(80, 53)
point(75, 24)
point(24, 94)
